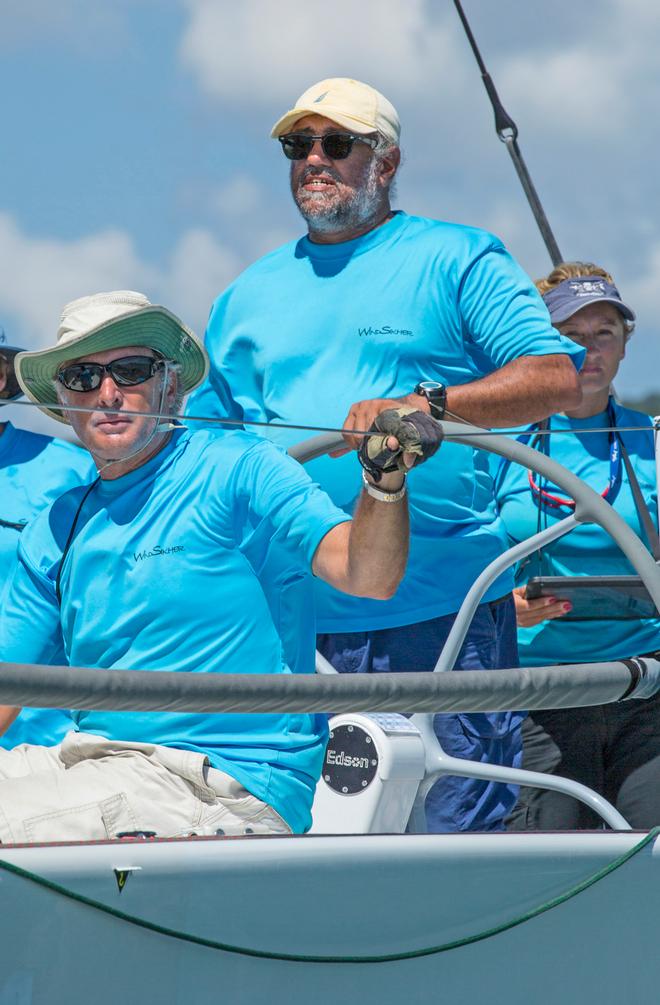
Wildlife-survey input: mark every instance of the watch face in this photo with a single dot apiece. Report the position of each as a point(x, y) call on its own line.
point(436, 395)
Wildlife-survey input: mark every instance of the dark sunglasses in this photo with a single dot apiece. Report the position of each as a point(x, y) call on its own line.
point(126, 372)
point(336, 146)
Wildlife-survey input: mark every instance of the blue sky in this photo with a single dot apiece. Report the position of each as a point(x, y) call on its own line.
point(136, 149)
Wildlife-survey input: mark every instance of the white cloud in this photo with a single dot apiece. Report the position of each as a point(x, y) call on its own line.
point(199, 268)
point(38, 276)
point(258, 51)
point(593, 83)
point(568, 89)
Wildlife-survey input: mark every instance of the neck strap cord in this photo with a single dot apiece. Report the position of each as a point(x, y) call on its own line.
point(618, 453)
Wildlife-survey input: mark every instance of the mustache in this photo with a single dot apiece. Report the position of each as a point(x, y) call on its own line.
point(317, 172)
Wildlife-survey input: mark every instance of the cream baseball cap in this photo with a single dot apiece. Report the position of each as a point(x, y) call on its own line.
point(349, 103)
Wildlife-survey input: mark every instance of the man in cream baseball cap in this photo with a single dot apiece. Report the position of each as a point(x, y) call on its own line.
point(342, 138)
point(375, 308)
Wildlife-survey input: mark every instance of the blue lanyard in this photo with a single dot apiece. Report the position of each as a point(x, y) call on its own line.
point(545, 498)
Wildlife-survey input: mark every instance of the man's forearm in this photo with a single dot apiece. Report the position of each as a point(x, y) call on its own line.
point(526, 390)
point(7, 717)
point(367, 555)
point(378, 544)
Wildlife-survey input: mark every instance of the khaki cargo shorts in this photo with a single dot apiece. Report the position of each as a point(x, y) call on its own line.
point(88, 788)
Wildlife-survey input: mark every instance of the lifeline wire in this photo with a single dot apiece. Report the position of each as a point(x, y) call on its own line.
point(264, 954)
point(226, 421)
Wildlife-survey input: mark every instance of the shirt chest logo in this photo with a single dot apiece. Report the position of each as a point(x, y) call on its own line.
point(385, 330)
point(157, 551)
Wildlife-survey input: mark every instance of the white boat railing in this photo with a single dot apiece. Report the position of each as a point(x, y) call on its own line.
point(590, 507)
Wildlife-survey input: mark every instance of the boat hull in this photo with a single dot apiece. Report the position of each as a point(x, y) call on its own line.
point(345, 896)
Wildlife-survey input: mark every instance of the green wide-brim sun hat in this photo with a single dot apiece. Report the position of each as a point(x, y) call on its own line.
point(111, 321)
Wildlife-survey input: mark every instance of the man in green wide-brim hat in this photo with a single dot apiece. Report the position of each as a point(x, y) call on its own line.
point(191, 551)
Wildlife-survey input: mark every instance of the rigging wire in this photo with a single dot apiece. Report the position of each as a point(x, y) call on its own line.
point(507, 131)
point(213, 420)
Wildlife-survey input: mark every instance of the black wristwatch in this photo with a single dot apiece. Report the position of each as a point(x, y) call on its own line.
point(436, 395)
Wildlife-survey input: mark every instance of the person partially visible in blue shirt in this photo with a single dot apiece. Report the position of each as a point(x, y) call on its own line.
point(614, 749)
point(192, 551)
point(367, 306)
point(34, 470)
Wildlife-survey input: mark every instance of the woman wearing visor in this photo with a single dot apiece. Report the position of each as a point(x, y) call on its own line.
point(34, 470)
point(614, 749)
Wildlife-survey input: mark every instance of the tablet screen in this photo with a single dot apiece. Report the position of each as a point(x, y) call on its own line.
point(596, 598)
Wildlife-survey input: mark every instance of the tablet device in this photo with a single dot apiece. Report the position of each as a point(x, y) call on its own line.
point(596, 598)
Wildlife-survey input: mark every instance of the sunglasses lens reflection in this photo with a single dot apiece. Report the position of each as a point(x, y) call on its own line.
point(81, 376)
point(336, 146)
point(131, 370)
point(296, 147)
point(126, 372)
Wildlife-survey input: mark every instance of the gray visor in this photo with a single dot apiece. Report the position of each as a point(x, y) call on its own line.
point(572, 295)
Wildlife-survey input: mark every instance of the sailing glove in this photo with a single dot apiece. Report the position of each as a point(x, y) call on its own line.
point(416, 432)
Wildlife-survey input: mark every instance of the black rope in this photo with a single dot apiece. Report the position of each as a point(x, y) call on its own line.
point(507, 130)
point(69, 542)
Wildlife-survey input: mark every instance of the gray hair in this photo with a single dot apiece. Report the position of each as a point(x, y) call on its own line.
point(382, 151)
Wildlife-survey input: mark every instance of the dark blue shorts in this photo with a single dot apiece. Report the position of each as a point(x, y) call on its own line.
point(453, 804)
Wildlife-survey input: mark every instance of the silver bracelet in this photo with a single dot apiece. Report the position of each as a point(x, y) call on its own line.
point(380, 494)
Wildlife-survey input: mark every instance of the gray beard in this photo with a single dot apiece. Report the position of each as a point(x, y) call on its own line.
point(360, 207)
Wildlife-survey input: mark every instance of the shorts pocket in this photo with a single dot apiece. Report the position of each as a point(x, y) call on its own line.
point(89, 822)
point(243, 816)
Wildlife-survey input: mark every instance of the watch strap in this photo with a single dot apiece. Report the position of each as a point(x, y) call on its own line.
point(380, 494)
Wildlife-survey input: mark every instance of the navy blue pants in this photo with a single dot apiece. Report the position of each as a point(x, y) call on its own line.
point(453, 804)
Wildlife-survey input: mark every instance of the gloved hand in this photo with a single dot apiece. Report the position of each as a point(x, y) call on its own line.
point(416, 432)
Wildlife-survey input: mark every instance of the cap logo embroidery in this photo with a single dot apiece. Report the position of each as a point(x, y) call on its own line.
point(321, 97)
point(588, 288)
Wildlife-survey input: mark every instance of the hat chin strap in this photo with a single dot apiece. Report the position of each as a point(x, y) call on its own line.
point(159, 427)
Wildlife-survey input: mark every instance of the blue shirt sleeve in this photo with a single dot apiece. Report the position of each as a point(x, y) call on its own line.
point(30, 630)
point(504, 316)
point(277, 505)
point(214, 397)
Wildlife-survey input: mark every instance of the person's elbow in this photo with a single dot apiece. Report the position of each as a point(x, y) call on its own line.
point(381, 590)
point(561, 381)
point(379, 580)
point(373, 584)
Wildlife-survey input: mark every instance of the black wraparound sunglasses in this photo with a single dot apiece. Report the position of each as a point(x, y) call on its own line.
point(126, 372)
point(336, 146)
